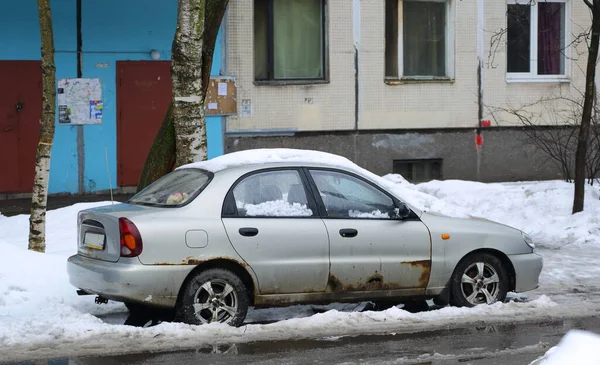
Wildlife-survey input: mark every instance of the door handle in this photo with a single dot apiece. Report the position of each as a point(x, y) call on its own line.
point(248, 232)
point(348, 232)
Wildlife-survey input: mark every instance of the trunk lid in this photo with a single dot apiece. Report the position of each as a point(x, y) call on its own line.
point(98, 230)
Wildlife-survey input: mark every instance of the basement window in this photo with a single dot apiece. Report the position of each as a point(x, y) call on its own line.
point(417, 171)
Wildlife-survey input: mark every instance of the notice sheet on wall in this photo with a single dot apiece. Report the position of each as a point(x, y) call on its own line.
point(79, 101)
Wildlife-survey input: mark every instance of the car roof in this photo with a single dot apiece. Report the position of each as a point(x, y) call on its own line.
point(276, 157)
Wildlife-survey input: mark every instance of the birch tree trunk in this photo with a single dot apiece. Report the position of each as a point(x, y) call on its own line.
point(186, 74)
point(182, 135)
point(588, 105)
point(37, 219)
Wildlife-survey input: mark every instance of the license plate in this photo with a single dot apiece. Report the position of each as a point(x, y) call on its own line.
point(94, 240)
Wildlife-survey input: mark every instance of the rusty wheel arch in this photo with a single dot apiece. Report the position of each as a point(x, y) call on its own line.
point(510, 269)
point(235, 267)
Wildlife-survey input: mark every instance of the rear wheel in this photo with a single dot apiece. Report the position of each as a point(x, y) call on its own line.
point(214, 295)
point(479, 279)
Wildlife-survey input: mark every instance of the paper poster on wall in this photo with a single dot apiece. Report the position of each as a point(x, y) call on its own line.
point(79, 101)
point(222, 89)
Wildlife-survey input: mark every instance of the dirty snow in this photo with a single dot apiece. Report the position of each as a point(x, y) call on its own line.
point(41, 315)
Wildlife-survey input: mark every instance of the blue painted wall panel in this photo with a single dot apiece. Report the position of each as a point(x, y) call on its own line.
point(214, 125)
point(110, 35)
point(63, 165)
point(112, 30)
point(19, 30)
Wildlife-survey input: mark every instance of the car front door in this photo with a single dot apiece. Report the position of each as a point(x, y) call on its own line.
point(370, 249)
point(272, 222)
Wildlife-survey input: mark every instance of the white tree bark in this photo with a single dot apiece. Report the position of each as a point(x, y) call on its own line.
point(186, 74)
point(37, 219)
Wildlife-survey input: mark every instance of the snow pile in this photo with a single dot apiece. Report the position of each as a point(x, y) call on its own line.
point(374, 214)
point(576, 347)
point(542, 209)
point(269, 155)
point(277, 208)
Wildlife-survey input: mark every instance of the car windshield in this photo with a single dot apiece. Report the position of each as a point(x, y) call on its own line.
point(175, 189)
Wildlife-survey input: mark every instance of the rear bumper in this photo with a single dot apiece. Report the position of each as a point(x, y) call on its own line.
point(127, 280)
point(527, 269)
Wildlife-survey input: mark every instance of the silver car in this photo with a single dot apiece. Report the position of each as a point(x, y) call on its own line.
point(211, 243)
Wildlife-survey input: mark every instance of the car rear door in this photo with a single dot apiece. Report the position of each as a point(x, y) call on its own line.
point(370, 249)
point(272, 222)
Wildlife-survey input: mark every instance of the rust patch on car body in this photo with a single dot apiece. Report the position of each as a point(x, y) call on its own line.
point(191, 260)
point(424, 266)
point(376, 281)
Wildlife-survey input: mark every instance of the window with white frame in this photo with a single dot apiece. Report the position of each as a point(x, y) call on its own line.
point(536, 39)
point(418, 39)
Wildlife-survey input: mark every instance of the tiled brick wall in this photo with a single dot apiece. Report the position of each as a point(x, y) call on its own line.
point(284, 107)
point(383, 106)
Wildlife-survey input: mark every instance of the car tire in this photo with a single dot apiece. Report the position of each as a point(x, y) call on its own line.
point(210, 291)
point(479, 278)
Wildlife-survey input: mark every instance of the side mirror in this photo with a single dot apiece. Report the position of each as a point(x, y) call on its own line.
point(402, 211)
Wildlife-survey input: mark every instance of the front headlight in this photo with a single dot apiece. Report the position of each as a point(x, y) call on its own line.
point(528, 240)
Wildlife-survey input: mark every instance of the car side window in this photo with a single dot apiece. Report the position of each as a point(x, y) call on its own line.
point(346, 196)
point(272, 194)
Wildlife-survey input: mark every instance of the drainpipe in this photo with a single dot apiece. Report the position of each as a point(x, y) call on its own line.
point(80, 141)
point(356, 36)
point(480, 56)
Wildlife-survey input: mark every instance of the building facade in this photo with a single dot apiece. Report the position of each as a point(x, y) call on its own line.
point(424, 88)
point(396, 85)
point(124, 44)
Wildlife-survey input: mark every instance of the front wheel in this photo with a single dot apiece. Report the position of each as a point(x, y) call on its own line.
point(479, 279)
point(214, 295)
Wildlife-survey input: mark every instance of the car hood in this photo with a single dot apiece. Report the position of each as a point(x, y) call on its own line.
point(470, 221)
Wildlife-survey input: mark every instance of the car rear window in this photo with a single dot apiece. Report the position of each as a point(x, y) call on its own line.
point(174, 189)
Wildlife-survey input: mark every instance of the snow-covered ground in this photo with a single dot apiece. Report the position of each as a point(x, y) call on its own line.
point(42, 316)
point(576, 347)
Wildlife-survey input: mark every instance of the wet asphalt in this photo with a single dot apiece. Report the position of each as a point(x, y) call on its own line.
point(479, 345)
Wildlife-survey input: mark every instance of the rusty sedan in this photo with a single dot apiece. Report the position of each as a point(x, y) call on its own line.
point(210, 240)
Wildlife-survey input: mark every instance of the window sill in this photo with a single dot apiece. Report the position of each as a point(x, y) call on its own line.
point(289, 82)
point(529, 80)
point(418, 80)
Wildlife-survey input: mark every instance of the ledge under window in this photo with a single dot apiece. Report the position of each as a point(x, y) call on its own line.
point(418, 80)
point(536, 79)
point(289, 82)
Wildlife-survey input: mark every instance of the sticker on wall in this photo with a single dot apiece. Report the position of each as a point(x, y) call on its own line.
point(79, 101)
point(246, 108)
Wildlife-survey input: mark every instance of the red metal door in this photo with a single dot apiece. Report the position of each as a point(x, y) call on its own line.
point(20, 113)
point(143, 97)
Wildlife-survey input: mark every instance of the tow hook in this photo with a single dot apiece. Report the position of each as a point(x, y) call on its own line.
point(100, 300)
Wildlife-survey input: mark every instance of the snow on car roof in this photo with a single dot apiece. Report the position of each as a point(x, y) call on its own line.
point(404, 190)
point(271, 155)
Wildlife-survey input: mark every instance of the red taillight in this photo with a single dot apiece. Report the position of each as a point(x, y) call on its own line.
point(131, 240)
